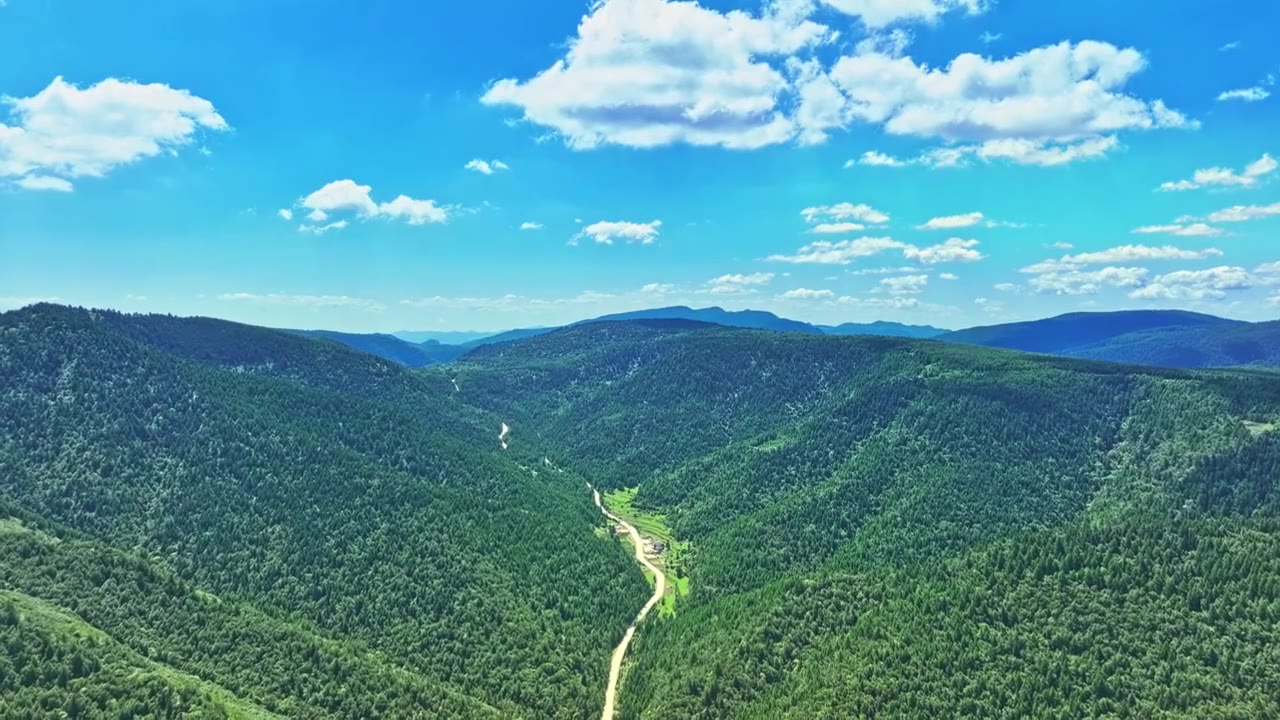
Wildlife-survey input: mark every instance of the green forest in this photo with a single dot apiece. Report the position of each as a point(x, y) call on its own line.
point(204, 519)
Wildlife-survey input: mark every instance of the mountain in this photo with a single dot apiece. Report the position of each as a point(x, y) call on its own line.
point(390, 347)
point(446, 337)
point(205, 515)
point(757, 319)
point(887, 329)
point(1065, 333)
point(890, 527)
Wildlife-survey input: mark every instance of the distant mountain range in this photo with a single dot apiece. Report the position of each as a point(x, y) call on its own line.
point(1171, 338)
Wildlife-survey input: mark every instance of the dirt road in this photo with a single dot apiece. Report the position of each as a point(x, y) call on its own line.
point(659, 587)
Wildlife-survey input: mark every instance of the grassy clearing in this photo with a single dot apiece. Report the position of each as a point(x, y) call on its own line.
point(1256, 428)
point(654, 526)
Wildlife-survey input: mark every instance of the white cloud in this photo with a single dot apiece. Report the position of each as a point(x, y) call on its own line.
point(989, 37)
point(606, 232)
point(530, 226)
point(1087, 282)
point(340, 195)
point(738, 284)
point(44, 182)
point(657, 288)
point(1122, 254)
point(1008, 287)
point(953, 250)
point(844, 252)
point(646, 73)
point(285, 214)
point(880, 13)
point(1192, 230)
point(1249, 94)
point(1234, 44)
point(905, 285)
point(348, 196)
point(951, 222)
point(948, 276)
point(1062, 93)
point(66, 132)
point(844, 211)
point(885, 303)
point(1045, 154)
point(1211, 284)
point(807, 294)
point(904, 270)
point(322, 229)
point(415, 212)
point(1225, 177)
point(486, 167)
point(877, 159)
point(837, 228)
point(1244, 213)
point(311, 301)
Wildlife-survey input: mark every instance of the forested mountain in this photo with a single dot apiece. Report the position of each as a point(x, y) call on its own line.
point(888, 329)
point(390, 347)
point(1147, 337)
point(204, 515)
point(754, 319)
point(889, 527)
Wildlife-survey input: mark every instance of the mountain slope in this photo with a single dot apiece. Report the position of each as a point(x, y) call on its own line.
point(1171, 338)
point(888, 329)
point(881, 525)
point(315, 484)
point(390, 347)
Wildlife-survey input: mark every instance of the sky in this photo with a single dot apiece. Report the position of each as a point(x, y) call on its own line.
point(384, 166)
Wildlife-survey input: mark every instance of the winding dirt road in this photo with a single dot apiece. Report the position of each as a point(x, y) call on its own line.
point(659, 587)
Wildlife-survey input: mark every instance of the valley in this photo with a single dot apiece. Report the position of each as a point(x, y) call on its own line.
point(262, 524)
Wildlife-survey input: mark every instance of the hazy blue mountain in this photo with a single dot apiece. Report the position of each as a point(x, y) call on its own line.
point(443, 337)
point(1067, 333)
point(884, 329)
point(390, 347)
point(752, 319)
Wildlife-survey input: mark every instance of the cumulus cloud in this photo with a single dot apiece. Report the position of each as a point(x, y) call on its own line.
point(310, 301)
point(905, 285)
point(322, 229)
point(955, 250)
point(737, 284)
point(837, 228)
point(486, 167)
point(44, 182)
point(350, 197)
point(876, 159)
point(1055, 94)
point(1211, 284)
point(807, 294)
point(951, 222)
point(605, 233)
point(646, 73)
point(1225, 177)
point(657, 288)
point(844, 212)
point(1249, 94)
point(66, 132)
point(1191, 230)
point(1122, 254)
point(948, 276)
point(1087, 282)
point(1245, 213)
point(844, 252)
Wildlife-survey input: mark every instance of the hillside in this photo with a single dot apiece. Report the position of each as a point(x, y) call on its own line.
point(888, 526)
point(1146, 337)
point(390, 347)
point(316, 531)
point(887, 329)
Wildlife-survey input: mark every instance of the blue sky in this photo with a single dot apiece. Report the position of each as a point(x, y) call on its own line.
point(953, 162)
